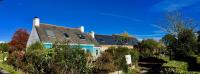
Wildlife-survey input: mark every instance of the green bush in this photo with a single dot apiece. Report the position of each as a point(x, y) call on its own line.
point(131, 71)
point(60, 59)
point(146, 53)
point(118, 57)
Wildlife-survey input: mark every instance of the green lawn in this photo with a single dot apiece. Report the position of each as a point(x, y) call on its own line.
point(181, 67)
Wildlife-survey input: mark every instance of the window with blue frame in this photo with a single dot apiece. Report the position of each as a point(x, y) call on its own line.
point(97, 52)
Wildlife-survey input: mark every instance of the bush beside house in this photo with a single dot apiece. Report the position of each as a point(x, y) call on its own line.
point(115, 57)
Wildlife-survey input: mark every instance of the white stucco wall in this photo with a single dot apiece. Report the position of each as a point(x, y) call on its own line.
point(33, 37)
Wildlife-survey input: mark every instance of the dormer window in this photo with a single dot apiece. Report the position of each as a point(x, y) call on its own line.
point(66, 35)
point(81, 36)
point(50, 33)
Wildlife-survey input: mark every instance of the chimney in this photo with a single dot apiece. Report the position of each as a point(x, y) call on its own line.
point(82, 29)
point(92, 34)
point(36, 21)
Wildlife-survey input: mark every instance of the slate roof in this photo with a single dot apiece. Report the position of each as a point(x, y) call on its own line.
point(112, 40)
point(50, 33)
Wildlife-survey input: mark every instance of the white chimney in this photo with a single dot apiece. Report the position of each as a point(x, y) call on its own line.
point(82, 29)
point(36, 21)
point(92, 34)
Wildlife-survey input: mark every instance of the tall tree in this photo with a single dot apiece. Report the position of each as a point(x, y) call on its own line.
point(149, 44)
point(183, 31)
point(17, 47)
point(187, 42)
point(175, 23)
point(19, 40)
point(170, 41)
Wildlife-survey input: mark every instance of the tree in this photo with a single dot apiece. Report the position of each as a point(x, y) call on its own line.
point(181, 36)
point(19, 40)
point(149, 44)
point(171, 42)
point(187, 43)
point(175, 23)
point(148, 47)
point(17, 46)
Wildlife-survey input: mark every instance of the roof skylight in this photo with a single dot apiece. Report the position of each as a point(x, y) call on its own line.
point(50, 33)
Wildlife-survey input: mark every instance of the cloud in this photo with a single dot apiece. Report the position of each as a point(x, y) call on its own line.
point(157, 34)
point(159, 27)
point(173, 5)
point(121, 16)
point(155, 38)
point(149, 36)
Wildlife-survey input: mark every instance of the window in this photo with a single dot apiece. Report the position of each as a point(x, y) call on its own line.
point(66, 35)
point(50, 33)
point(88, 51)
point(97, 52)
point(81, 36)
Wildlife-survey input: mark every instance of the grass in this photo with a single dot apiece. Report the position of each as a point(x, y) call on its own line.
point(181, 67)
point(8, 68)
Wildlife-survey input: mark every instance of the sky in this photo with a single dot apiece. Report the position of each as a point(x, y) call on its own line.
point(139, 18)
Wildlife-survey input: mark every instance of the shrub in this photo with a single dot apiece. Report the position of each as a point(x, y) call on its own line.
point(146, 53)
point(58, 60)
point(118, 57)
point(104, 64)
point(134, 55)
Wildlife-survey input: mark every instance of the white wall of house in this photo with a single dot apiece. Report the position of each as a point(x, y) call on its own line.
point(33, 37)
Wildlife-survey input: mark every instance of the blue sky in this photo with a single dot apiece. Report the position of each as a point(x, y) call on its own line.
point(137, 17)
